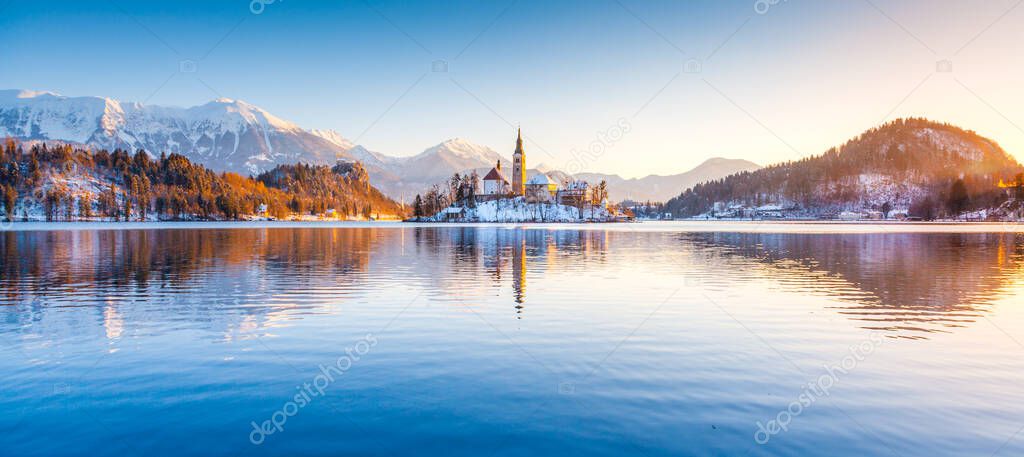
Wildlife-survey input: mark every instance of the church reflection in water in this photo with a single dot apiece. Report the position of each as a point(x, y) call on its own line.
point(512, 255)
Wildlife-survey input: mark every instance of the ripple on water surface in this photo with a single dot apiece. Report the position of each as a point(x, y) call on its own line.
point(589, 340)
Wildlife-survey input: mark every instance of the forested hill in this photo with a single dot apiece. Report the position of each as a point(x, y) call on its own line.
point(59, 182)
point(910, 165)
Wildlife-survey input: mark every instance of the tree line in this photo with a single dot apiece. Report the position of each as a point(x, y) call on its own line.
point(70, 183)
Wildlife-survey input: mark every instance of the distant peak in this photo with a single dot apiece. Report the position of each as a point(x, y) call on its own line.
point(457, 141)
point(34, 94)
point(457, 144)
point(234, 102)
point(333, 136)
point(24, 94)
point(723, 160)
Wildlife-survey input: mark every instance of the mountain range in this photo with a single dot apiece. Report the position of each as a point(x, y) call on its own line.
point(232, 135)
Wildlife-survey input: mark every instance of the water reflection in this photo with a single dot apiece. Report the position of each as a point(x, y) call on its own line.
point(239, 281)
point(908, 284)
point(228, 283)
point(498, 253)
point(583, 341)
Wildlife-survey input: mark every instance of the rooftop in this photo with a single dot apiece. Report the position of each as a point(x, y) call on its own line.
point(541, 179)
point(495, 175)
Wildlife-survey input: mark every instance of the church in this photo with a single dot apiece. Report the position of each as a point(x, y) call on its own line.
point(496, 185)
point(539, 189)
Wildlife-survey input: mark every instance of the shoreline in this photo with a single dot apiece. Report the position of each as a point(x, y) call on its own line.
point(682, 226)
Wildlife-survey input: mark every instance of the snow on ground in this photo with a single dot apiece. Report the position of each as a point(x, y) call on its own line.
point(862, 194)
point(876, 189)
point(951, 142)
point(30, 206)
point(518, 210)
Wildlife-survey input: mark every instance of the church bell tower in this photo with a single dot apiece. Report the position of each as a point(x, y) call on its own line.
point(519, 167)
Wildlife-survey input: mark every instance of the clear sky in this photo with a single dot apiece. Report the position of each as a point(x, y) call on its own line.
point(789, 83)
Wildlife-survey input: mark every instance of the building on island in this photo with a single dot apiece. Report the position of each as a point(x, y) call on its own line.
point(519, 167)
point(541, 189)
point(575, 193)
point(503, 198)
point(495, 184)
point(452, 213)
point(514, 198)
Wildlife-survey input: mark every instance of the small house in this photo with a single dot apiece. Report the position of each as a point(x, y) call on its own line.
point(452, 213)
point(575, 193)
point(541, 189)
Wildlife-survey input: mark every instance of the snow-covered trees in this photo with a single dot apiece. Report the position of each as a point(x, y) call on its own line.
point(459, 189)
point(134, 186)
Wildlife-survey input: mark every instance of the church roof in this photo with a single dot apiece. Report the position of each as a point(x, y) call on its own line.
point(542, 180)
point(495, 175)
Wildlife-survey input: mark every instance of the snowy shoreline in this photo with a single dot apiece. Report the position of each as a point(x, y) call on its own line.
point(767, 227)
point(519, 210)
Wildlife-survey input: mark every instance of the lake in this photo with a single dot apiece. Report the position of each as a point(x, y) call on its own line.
point(649, 339)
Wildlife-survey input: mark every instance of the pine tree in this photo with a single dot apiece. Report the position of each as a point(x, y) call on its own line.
point(958, 198)
point(417, 206)
point(10, 199)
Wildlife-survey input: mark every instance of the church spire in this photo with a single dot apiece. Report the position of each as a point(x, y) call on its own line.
point(519, 166)
point(519, 141)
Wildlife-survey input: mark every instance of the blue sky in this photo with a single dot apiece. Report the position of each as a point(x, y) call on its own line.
point(791, 82)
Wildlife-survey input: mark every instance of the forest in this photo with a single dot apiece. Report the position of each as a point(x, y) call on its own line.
point(64, 183)
point(929, 169)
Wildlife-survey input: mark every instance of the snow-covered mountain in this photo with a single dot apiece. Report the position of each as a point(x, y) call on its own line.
point(453, 155)
point(411, 175)
point(376, 162)
point(223, 134)
point(232, 135)
point(334, 137)
point(404, 177)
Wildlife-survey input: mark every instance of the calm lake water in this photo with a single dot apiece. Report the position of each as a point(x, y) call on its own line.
point(645, 339)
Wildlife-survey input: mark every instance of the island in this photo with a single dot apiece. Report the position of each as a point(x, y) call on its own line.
point(501, 199)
